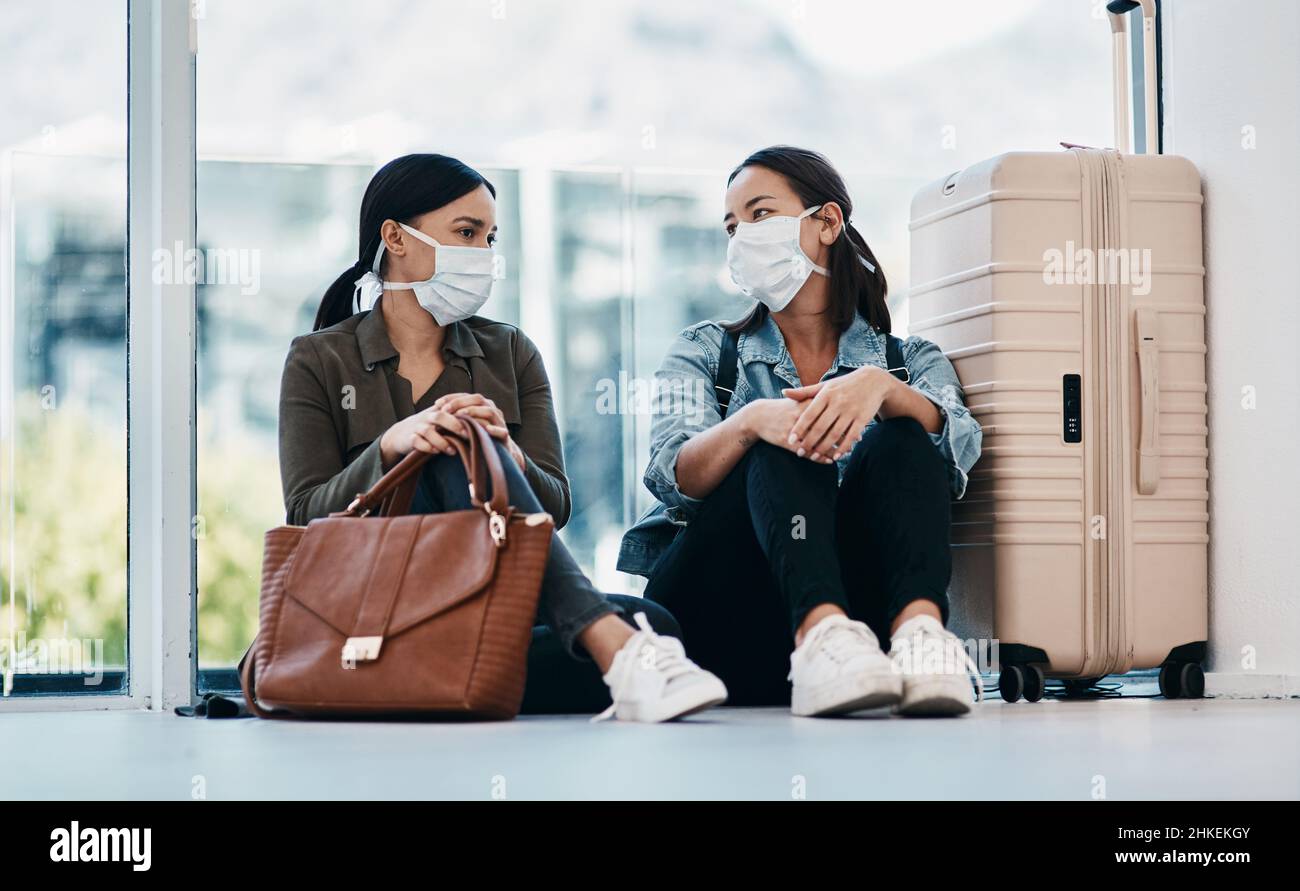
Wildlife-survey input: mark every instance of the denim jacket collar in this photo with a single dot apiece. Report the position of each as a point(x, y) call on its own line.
point(859, 345)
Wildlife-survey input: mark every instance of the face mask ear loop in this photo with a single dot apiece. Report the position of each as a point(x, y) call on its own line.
point(807, 213)
point(374, 267)
point(420, 236)
point(861, 259)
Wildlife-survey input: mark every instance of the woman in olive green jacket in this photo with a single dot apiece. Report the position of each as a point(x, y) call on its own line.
point(396, 353)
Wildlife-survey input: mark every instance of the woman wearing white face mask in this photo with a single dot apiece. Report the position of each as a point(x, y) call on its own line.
point(396, 353)
point(814, 489)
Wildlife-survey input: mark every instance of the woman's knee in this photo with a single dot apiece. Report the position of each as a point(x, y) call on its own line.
point(442, 485)
point(900, 445)
point(768, 454)
point(779, 466)
point(900, 430)
point(441, 466)
point(897, 437)
point(660, 619)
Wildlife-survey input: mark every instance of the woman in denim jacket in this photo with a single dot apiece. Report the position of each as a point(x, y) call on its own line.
point(816, 512)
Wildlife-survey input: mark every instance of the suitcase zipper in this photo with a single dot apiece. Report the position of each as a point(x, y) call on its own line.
point(1096, 609)
point(1112, 467)
point(1120, 360)
point(1106, 631)
point(1101, 654)
point(1114, 522)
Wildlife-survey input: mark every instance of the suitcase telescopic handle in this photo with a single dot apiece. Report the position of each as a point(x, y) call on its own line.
point(1148, 353)
point(1118, 10)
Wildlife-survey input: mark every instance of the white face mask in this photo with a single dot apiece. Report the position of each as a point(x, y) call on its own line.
point(767, 262)
point(460, 285)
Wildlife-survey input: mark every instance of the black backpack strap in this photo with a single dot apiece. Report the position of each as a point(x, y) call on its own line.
point(894, 358)
point(725, 383)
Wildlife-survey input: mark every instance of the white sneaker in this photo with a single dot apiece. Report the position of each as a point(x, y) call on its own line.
point(839, 668)
point(651, 680)
point(935, 667)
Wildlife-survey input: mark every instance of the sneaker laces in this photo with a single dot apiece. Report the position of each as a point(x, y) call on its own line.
point(839, 641)
point(915, 651)
point(666, 655)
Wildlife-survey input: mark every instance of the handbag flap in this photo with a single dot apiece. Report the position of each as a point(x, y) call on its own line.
point(435, 560)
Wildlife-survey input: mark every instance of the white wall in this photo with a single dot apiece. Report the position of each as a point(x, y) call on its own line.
point(1229, 67)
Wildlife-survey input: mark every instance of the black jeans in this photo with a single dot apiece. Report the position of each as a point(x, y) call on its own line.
point(778, 537)
point(561, 677)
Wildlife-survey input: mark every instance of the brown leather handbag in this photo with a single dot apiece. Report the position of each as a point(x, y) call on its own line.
point(373, 610)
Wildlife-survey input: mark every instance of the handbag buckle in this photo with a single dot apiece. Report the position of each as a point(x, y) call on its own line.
point(496, 526)
point(360, 649)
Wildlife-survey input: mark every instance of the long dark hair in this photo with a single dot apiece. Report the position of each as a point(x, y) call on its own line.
point(403, 189)
point(854, 287)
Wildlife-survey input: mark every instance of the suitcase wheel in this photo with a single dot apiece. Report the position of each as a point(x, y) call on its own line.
point(1016, 681)
point(1035, 683)
point(1011, 683)
point(1184, 680)
point(1079, 686)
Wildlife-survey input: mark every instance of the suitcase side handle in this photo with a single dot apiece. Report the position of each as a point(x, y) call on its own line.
point(1118, 10)
point(1148, 353)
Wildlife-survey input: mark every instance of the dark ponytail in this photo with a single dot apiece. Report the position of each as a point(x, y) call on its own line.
point(855, 289)
point(403, 189)
point(337, 302)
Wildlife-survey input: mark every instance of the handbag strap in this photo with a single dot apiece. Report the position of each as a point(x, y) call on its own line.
point(483, 466)
point(392, 494)
point(248, 683)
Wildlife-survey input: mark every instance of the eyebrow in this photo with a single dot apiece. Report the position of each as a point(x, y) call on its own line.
point(750, 203)
point(475, 221)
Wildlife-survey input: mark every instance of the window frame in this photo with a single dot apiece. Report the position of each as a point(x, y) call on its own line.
point(161, 369)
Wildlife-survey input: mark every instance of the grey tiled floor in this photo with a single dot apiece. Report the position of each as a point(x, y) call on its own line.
point(1143, 748)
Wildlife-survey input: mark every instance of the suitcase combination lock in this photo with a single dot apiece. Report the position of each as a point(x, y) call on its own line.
point(1072, 407)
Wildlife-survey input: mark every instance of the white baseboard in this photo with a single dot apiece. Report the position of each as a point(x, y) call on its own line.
point(1248, 685)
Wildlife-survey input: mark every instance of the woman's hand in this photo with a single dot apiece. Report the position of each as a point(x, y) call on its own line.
point(770, 420)
point(706, 457)
point(484, 410)
point(419, 433)
point(835, 412)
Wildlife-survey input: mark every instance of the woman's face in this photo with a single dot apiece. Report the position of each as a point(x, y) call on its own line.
point(758, 193)
point(469, 221)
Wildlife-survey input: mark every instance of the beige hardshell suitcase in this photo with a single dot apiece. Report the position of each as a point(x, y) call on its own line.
point(1067, 289)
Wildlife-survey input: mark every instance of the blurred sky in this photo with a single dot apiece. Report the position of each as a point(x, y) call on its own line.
point(873, 38)
point(673, 83)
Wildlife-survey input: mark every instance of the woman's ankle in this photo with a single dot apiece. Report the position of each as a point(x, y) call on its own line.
point(919, 607)
point(815, 615)
point(603, 638)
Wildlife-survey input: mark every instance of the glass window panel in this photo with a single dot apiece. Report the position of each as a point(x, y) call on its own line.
point(63, 544)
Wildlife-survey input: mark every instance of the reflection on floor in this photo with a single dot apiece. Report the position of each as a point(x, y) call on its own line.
point(1126, 748)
